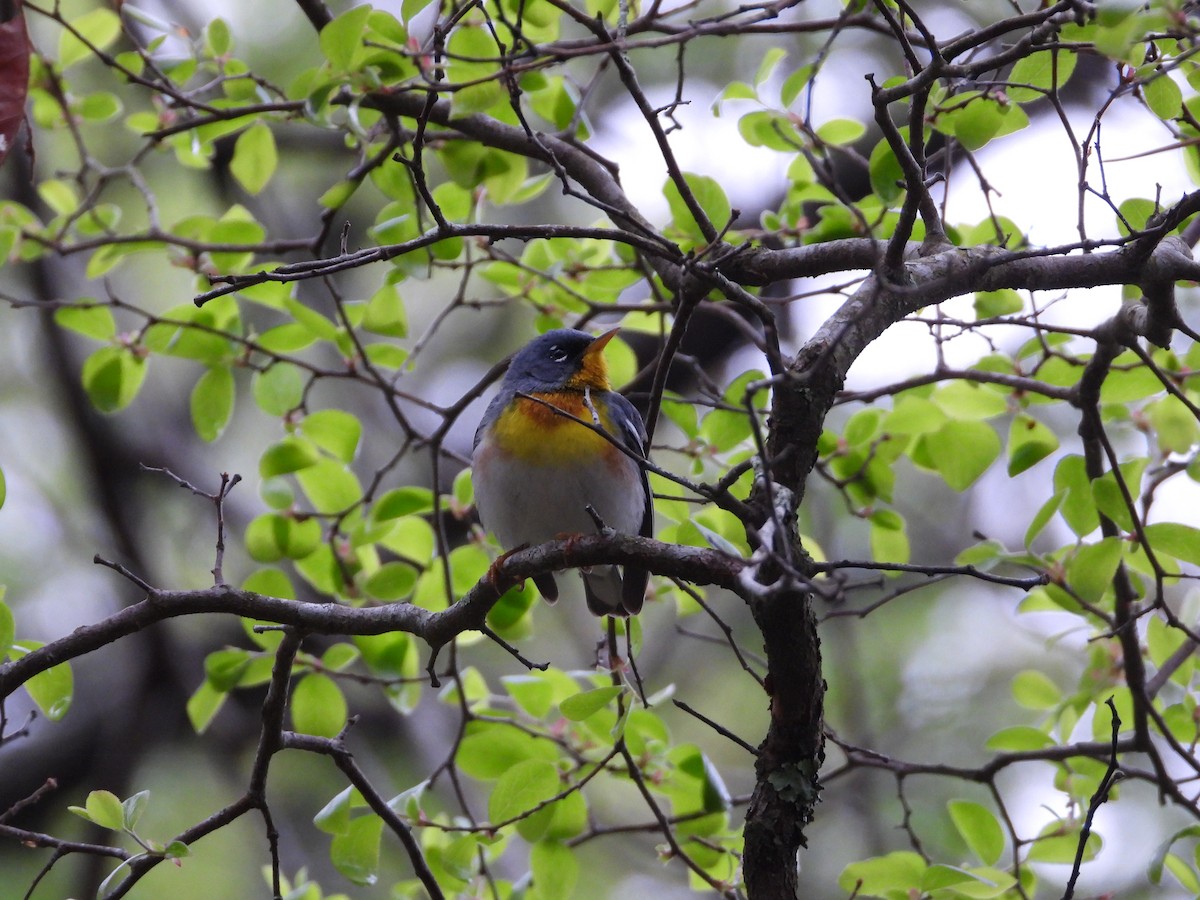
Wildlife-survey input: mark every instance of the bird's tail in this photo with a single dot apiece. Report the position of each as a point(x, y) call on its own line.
point(608, 594)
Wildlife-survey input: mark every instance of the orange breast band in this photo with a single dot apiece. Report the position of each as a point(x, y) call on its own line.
point(536, 433)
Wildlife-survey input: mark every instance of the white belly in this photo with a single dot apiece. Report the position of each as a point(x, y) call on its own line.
point(524, 503)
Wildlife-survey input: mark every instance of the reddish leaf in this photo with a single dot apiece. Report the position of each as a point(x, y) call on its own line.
point(14, 72)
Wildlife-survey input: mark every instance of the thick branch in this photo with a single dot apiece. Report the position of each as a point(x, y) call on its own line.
point(697, 565)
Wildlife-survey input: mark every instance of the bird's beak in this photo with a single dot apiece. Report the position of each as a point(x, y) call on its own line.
point(596, 347)
point(593, 371)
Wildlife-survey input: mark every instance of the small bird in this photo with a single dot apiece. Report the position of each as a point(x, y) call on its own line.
point(536, 470)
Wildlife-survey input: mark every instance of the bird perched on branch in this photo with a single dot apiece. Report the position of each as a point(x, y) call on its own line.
point(556, 445)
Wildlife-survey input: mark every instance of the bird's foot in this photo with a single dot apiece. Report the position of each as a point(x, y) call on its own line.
point(499, 582)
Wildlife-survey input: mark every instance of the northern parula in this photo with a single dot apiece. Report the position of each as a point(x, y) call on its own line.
point(536, 469)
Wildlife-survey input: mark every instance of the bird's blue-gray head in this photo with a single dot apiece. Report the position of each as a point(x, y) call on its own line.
point(563, 359)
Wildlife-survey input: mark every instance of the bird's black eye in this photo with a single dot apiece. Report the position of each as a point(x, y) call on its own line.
point(558, 354)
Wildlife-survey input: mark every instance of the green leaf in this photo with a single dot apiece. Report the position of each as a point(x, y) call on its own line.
point(273, 536)
point(212, 402)
point(8, 627)
point(521, 788)
point(341, 39)
point(1128, 380)
point(318, 706)
point(1078, 505)
point(355, 852)
point(1040, 72)
point(217, 37)
point(386, 314)
point(1019, 737)
point(386, 356)
point(841, 132)
point(715, 795)
point(109, 885)
point(724, 429)
point(203, 706)
point(286, 338)
point(568, 817)
point(337, 195)
point(966, 400)
point(1029, 442)
point(272, 582)
point(1173, 423)
point(1059, 843)
point(335, 431)
point(289, 455)
point(1043, 516)
point(555, 870)
point(474, 55)
point(983, 119)
point(51, 689)
point(982, 554)
point(318, 325)
point(767, 65)
point(61, 196)
point(1156, 862)
point(403, 501)
point(223, 668)
point(1163, 96)
point(488, 750)
point(887, 178)
point(1090, 571)
point(711, 198)
point(990, 304)
point(104, 808)
point(91, 319)
point(556, 102)
point(100, 27)
point(1173, 539)
point(978, 883)
point(321, 570)
point(331, 488)
point(896, 873)
point(98, 108)
point(914, 415)
point(1184, 873)
point(112, 377)
point(391, 581)
point(278, 389)
point(389, 655)
point(586, 703)
point(979, 829)
point(962, 451)
point(1135, 213)
point(254, 158)
point(1034, 690)
point(889, 539)
point(340, 657)
point(334, 817)
point(535, 695)
point(794, 84)
point(863, 427)
point(459, 858)
point(3, 495)
point(133, 807)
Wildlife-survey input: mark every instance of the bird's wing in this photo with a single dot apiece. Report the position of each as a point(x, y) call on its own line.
point(632, 432)
point(632, 429)
point(494, 408)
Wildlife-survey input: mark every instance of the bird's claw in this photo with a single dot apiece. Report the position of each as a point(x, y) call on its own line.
point(497, 579)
